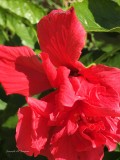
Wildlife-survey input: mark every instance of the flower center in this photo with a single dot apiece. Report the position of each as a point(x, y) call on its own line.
point(91, 123)
point(74, 73)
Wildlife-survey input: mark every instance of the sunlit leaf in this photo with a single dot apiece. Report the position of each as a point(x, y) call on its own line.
point(24, 9)
point(2, 105)
point(118, 148)
point(100, 15)
point(16, 25)
point(10, 122)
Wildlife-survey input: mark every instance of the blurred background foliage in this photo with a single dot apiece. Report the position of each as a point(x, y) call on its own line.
point(18, 18)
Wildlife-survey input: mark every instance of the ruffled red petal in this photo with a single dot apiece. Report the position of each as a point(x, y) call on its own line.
point(30, 137)
point(107, 76)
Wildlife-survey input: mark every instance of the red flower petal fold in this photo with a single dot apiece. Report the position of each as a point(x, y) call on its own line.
point(70, 134)
point(21, 71)
point(104, 75)
point(64, 39)
point(30, 138)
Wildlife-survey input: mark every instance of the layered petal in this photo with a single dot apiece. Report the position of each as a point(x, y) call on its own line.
point(97, 99)
point(49, 68)
point(64, 149)
point(46, 152)
point(42, 107)
point(104, 101)
point(107, 76)
point(118, 127)
point(96, 154)
point(21, 72)
point(62, 36)
point(111, 134)
point(81, 144)
point(66, 95)
point(31, 136)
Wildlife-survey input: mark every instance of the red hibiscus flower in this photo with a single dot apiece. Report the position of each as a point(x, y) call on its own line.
point(82, 114)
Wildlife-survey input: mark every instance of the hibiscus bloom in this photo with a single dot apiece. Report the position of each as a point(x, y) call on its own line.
point(82, 113)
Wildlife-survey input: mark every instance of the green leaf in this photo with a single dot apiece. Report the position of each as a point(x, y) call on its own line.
point(23, 8)
point(111, 156)
point(2, 105)
point(37, 51)
point(99, 16)
point(113, 60)
point(16, 25)
point(102, 48)
point(91, 57)
point(2, 17)
point(118, 148)
point(10, 122)
point(13, 103)
point(3, 37)
point(107, 42)
point(27, 34)
point(117, 1)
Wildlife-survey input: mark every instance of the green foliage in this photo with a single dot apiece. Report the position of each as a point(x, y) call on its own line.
point(99, 16)
point(18, 18)
point(24, 9)
point(2, 105)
